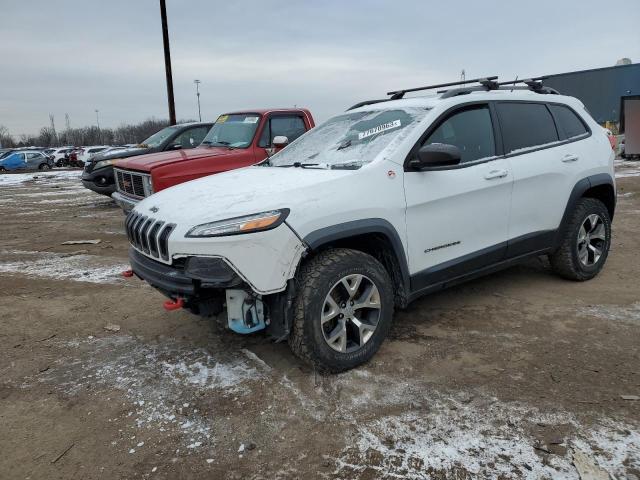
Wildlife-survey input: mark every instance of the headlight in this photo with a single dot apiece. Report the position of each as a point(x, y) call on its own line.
point(233, 226)
point(104, 163)
point(147, 184)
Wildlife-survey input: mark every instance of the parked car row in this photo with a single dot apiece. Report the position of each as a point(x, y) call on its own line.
point(393, 199)
point(25, 159)
point(68, 156)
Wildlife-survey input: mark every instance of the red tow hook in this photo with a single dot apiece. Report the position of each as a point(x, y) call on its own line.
point(127, 273)
point(172, 305)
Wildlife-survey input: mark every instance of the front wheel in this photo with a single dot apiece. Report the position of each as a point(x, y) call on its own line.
point(343, 309)
point(44, 166)
point(2, 169)
point(585, 243)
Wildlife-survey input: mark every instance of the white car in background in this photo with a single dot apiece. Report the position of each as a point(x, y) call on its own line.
point(59, 154)
point(85, 153)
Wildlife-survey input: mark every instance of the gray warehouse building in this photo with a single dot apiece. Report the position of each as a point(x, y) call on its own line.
point(602, 90)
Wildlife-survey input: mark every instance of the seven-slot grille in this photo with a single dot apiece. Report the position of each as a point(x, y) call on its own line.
point(131, 183)
point(149, 235)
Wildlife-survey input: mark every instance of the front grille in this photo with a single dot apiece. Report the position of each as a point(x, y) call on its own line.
point(131, 183)
point(148, 235)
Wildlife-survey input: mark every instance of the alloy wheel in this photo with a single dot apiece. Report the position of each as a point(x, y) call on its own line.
point(591, 240)
point(350, 313)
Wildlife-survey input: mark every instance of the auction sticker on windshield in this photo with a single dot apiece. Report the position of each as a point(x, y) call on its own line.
point(222, 118)
point(251, 119)
point(379, 129)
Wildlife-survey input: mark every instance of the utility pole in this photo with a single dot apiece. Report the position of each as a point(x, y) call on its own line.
point(167, 63)
point(198, 82)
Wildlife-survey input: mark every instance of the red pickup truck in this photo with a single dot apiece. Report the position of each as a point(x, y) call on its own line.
point(236, 140)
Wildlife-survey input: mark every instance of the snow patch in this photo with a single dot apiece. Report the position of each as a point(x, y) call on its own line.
point(79, 268)
point(486, 440)
point(52, 176)
point(626, 169)
point(157, 395)
point(622, 313)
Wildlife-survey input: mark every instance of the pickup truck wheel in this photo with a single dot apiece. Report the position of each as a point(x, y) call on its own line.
point(343, 309)
point(586, 242)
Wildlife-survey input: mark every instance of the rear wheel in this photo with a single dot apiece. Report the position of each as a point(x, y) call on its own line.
point(343, 310)
point(2, 169)
point(585, 245)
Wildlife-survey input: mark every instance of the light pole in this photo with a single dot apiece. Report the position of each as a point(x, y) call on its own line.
point(98, 123)
point(167, 63)
point(198, 82)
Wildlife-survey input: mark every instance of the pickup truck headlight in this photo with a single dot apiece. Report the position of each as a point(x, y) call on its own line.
point(257, 222)
point(104, 163)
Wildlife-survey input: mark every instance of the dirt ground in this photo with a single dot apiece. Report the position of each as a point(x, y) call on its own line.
point(517, 375)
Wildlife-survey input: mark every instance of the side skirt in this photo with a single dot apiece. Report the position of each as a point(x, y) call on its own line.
point(517, 250)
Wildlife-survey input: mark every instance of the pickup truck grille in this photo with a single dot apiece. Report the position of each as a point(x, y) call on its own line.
point(132, 183)
point(149, 235)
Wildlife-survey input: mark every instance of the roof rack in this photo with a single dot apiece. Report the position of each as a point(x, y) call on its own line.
point(532, 84)
point(397, 94)
point(485, 84)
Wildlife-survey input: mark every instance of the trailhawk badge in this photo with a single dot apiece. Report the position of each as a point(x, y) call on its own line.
point(154, 209)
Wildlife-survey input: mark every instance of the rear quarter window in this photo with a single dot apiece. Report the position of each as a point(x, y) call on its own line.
point(569, 124)
point(526, 125)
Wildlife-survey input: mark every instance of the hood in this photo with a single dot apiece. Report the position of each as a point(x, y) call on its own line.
point(129, 152)
point(244, 191)
point(152, 160)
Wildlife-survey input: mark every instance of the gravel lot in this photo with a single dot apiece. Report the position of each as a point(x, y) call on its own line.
point(516, 375)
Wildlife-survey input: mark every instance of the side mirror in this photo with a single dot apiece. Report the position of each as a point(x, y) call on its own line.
point(436, 155)
point(280, 141)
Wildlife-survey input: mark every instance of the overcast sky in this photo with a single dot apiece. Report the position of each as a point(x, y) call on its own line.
point(76, 56)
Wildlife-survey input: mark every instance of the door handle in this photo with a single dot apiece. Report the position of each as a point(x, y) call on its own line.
point(496, 174)
point(570, 158)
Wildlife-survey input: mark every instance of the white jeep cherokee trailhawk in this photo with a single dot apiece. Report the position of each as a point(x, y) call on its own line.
point(377, 206)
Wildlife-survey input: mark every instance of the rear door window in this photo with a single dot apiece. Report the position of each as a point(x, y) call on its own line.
point(471, 130)
point(569, 124)
point(526, 125)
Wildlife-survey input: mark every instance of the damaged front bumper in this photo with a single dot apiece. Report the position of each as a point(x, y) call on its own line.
point(189, 279)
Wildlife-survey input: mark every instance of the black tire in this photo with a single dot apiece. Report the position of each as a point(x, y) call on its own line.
point(316, 278)
point(2, 169)
point(44, 166)
point(565, 261)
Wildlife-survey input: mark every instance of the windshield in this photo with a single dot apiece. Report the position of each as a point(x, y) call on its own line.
point(157, 138)
point(235, 131)
point(350, 140)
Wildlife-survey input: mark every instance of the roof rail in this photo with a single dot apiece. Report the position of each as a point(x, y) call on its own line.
point(367, 102)
point(397, 94)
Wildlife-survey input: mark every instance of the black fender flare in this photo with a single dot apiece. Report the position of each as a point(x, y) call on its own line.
point(323, 236)
point(577, 192)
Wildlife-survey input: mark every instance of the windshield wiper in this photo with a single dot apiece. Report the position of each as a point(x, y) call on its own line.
point(346, 144)
point(221, 143)
point(302, 165)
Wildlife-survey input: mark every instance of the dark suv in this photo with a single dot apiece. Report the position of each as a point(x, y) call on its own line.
point(98, 173)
